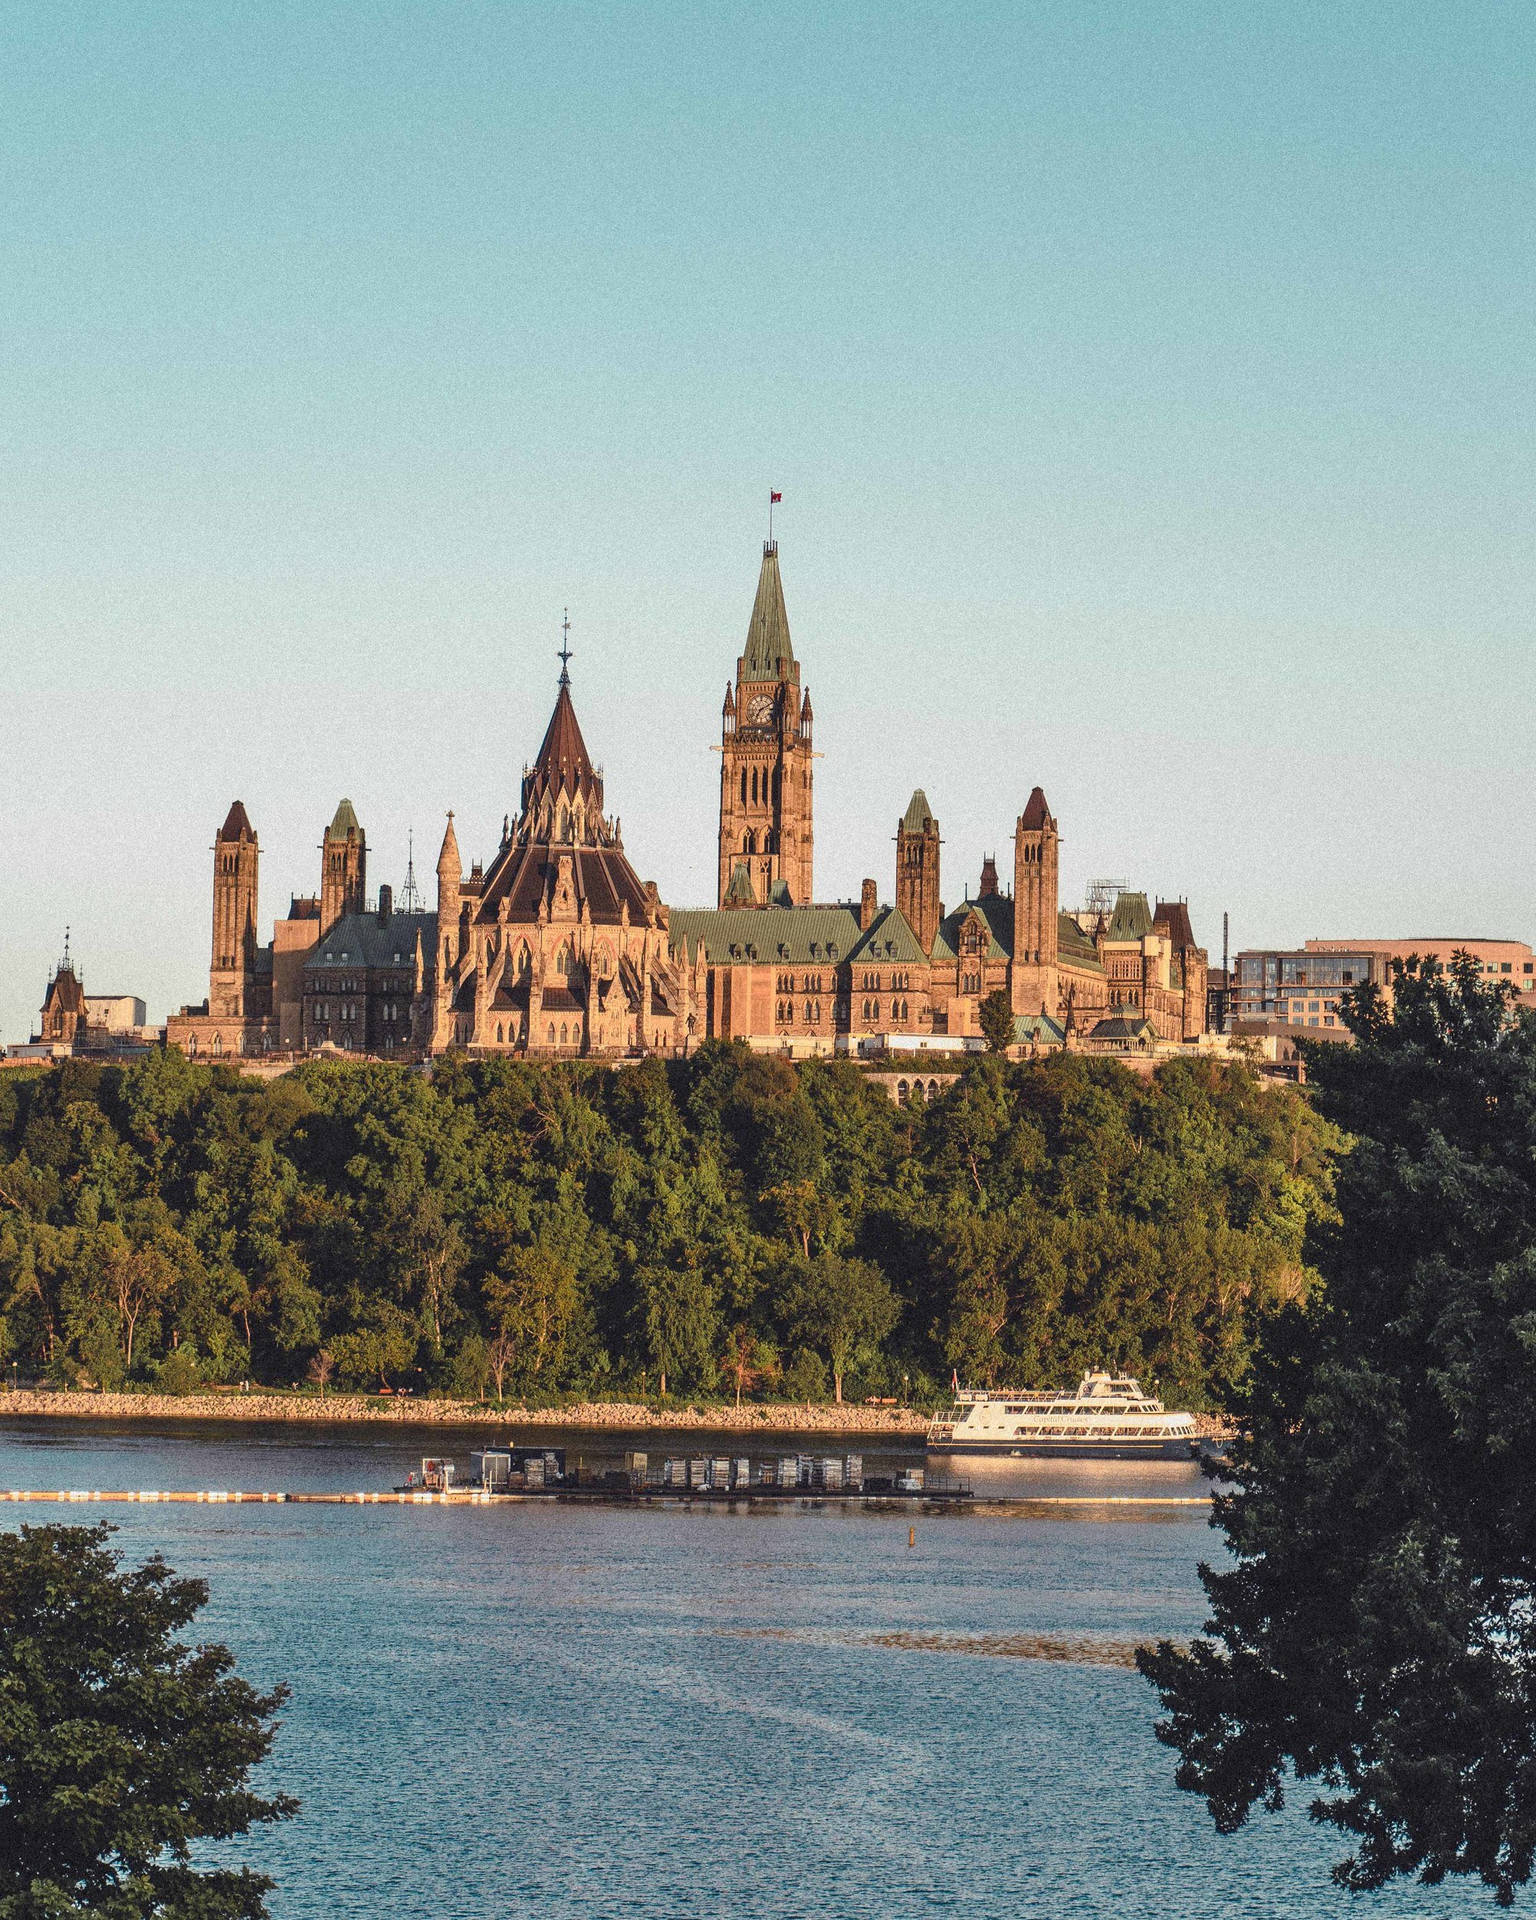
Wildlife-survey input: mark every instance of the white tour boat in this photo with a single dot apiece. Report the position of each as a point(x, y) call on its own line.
point(1105, 1417)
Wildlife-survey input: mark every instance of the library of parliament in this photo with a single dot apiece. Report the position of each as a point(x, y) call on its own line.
point(555, 947)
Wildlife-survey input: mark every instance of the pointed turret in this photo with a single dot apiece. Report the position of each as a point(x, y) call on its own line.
point(769, 654)
point(449, 865)
point(806, 716)
point(237, 825)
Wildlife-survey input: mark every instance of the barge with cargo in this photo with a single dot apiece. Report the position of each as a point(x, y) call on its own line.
point(520, 1472)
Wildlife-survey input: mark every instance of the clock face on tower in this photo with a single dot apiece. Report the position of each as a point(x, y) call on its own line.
point(760, 711)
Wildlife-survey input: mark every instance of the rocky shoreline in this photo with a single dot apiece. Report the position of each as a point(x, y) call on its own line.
point(366, 1409)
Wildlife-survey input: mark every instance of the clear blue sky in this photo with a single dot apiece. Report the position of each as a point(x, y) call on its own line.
point(1150, 387)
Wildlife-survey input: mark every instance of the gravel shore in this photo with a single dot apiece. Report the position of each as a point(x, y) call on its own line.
point(365, 1408)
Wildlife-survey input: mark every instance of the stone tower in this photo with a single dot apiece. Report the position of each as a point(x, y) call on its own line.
point(343, 868)
point(1033, 975)
point(765, 750)
point(231, 975)
point(917, 869)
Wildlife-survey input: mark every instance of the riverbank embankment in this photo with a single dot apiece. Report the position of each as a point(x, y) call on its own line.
point(405, 1410)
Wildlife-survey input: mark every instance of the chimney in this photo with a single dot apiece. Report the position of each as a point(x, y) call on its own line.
point(869, 906)
point(386, 904)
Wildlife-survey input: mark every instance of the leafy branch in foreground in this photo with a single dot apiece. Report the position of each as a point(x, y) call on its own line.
point(119, 1746)
point(1377, 1632)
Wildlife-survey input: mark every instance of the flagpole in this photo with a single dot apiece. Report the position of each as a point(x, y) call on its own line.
point(770, 516)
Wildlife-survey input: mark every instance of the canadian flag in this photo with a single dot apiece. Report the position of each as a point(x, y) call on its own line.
point(774, 499)
point(954, 1380)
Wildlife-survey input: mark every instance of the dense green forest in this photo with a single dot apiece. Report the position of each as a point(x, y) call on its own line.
point(729, 1224)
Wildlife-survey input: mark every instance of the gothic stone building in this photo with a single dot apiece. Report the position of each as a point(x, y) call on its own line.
point(557, 948)
point(779, 970)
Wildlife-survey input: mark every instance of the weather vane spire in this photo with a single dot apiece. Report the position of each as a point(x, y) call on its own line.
point(565, 649)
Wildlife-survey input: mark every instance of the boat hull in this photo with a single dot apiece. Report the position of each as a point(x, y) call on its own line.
point(1182, 1447)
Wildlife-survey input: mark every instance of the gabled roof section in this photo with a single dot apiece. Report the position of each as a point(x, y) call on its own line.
point(768, 936)
point(888, 939)
point(1132, 918)
point(1121, 1026)
point(1172, 918)
point(768, 639)
point(1073, 947)
point(364, 940)
point(1037, 1026)
point(237, 825)
point(345, 822)
point(919, 815)
point(996, 914)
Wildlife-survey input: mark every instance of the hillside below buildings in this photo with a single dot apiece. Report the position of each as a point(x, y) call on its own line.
point(555, 946)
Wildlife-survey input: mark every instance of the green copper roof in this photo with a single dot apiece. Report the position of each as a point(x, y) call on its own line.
point(996, 914)
point(739, 892)
point(344, 823)
point(888, 938)
point(919, 815)
point(768, 936)
point(1132, 919)
point(768, 636)
point(1074, 948)
point(1037, 1026)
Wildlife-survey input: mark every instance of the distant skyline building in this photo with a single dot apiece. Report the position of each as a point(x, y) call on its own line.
point(1277, 989)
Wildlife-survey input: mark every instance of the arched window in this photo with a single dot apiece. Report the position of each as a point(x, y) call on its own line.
point(551, 1033)
point(754, 786)
point(498, 1033)
point(522, 960)
point(218, 1043)
point(808, 1015)
point(933, 1089)
point(563, 962)
point(743, 786)
point(563, 1039)
point(902, 1091)
point(563, 827)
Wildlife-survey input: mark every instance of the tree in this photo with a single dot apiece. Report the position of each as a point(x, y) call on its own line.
point(531, 1301)
point(1377, 1632)
point(120, 1747)
point(996, 1016)
point(680, 1319)
point(836, 1306)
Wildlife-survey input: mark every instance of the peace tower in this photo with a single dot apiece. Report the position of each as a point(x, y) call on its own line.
point(765, 762)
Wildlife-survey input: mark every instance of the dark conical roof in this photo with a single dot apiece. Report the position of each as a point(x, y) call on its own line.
point(237, 825)
point(1036, 813)
point(563, 764)
point(768, 639)
point(563, 756)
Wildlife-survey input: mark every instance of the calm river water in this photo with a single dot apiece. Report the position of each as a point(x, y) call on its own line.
point(567, 1712)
